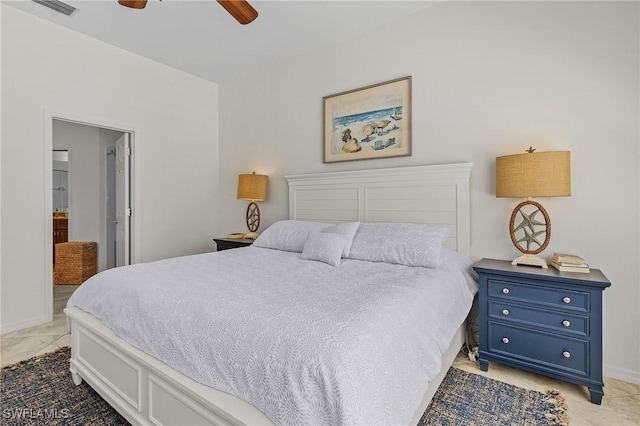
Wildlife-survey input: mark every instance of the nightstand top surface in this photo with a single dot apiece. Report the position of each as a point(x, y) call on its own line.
point(504, 267)
point(236, 240)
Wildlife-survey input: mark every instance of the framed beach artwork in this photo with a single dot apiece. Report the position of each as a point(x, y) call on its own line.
point(370, 122)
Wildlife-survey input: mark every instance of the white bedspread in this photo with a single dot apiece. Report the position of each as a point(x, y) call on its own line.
point(304, 342)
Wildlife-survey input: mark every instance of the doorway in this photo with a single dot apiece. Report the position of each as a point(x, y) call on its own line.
point(94, 188)
point(128, 169)
point(99, 210)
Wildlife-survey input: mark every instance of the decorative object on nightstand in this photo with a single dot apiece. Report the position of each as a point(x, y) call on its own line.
point(231, 243)
point(542, 320)
point(569, 263)
point(253, 188)
point(534, 174)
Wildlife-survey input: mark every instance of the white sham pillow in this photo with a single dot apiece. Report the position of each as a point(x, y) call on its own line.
point(349, 229)
point(288, 235)
point(409, 244)
point(324, 247)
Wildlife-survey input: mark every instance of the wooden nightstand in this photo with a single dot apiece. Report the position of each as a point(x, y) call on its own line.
point(231, 243)
point(542, 320)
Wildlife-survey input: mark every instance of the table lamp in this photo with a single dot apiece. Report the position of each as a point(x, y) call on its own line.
point(252, 187)
point(534, 174)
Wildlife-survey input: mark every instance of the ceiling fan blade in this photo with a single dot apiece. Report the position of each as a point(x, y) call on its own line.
point(240, 9)
point(134, 4)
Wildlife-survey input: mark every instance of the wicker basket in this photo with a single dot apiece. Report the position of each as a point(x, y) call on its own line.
point(75, 262)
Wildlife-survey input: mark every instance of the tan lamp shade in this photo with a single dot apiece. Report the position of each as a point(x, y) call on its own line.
point(252, 187)
point(536, 174)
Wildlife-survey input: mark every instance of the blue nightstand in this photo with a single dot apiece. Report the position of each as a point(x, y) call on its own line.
point(542, 320)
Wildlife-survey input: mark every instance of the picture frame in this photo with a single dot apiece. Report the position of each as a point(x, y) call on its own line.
point(369, 122)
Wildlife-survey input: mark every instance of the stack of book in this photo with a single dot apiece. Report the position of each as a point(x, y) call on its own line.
point(569, 263)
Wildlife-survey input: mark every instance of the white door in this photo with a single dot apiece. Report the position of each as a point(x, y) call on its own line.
point(111, 207)
point(123, 208)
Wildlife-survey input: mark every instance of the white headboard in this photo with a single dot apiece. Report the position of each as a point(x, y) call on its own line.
point(437, 194)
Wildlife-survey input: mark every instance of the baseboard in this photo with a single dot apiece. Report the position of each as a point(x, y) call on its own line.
point(19, 325)
point(622, 374)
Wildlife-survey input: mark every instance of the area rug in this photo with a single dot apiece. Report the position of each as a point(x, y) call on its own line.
point(40, 391)
point(470, 399)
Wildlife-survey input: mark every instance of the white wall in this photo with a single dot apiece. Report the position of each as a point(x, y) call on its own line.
point(87, 148)
point(489, 79)
point(48, 69)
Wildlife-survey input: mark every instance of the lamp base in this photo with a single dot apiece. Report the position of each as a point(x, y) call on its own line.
point(253, 218)
point(530, 260)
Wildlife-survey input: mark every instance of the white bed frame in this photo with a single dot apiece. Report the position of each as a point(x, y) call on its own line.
point(146, 391)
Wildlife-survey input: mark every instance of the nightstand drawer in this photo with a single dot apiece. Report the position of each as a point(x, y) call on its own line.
point(557, 321)
point(556, 297)
point(548, 350)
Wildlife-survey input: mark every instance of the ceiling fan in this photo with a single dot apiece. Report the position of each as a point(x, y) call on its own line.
point(239, 9)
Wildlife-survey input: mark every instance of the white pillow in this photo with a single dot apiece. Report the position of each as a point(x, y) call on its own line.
point(409, 244)
point(288, 235)
point(349, 229)
point(324, 247)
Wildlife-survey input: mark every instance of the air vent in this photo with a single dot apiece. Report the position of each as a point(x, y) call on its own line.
point(58, 6)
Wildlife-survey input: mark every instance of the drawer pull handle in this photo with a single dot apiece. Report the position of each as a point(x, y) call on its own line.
point(566, 354)
point(505, 312)
point(505, 290)
point(566, 299)
point(505, 340)
point(566, 323)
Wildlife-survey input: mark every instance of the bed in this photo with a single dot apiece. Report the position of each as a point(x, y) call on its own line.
point(146, 390)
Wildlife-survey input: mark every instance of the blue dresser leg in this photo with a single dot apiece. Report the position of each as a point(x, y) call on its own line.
point(596, 394)
point(484, 365)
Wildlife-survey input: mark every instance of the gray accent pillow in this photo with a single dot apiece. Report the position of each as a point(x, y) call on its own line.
point(409, 244)
point(288, 235)
point(349, 229)
point(324, 247)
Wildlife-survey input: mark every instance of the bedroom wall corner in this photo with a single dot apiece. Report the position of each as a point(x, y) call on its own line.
point(46, 67)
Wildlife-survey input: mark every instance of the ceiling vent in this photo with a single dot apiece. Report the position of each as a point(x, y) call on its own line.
point(58, 6)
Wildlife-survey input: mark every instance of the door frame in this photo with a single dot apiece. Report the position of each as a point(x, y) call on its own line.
point(134, 189)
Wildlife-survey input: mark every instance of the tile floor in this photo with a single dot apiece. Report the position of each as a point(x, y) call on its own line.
point(620, 405)
point(28, 342)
